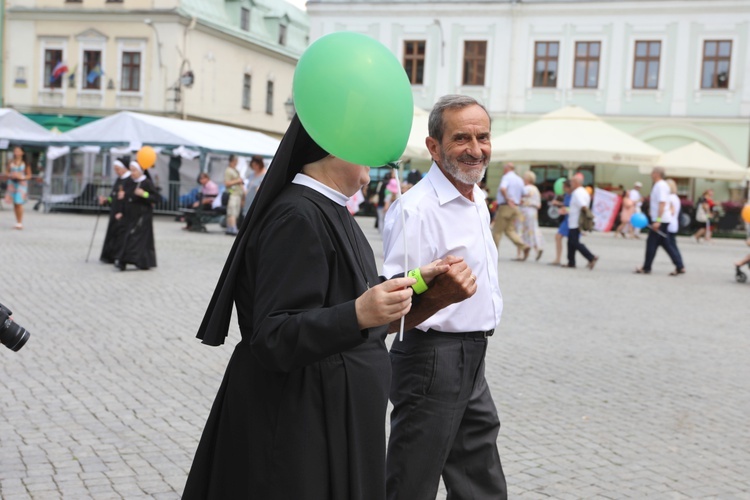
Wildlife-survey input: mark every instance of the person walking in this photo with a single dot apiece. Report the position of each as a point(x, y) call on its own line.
point(675, 206)
point(444, 421)
point(508, 198)
point(637, 198)
point(138, 247)
point(117, 200)
point(704, 215)
point(531, 202)
point(299, 414)
point(254, 178)
point(234, 185)
point(625, 228)
point(563, 230)
point(660, 213)
point(579, 201)
point(19, 173)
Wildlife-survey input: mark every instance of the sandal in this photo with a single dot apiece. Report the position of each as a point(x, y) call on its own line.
point(539, 254)
point(677, 272)
point(18, 226)
point(640, 270)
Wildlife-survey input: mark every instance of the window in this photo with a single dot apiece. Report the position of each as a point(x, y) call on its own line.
point(131, 72)
point(717, 55)
point(646, 65)
point(245, 19)
point(414, 61)
point(92, 69)
point(586, 65)
point(246, 80)
point(475, 58)
point(53, 61)
point(545, 64)
point(269, 98)
point(282, 34)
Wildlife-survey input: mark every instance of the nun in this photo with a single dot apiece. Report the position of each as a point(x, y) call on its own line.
point(138, 242)
point(301, 409)
point(116, 200)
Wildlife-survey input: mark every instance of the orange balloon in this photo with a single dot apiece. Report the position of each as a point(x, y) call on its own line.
point(146, 157)
point(746, 214)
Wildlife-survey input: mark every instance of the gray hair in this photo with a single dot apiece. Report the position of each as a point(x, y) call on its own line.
point(436, 124)
point(660, 171)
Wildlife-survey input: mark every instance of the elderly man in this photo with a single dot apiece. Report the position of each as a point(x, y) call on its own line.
point(444, 421)
point(660, 213)
point(509, 194)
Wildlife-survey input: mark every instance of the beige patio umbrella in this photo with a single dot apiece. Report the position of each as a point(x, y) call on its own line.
point(698, 161)
point(572, 136)
point(416, 148)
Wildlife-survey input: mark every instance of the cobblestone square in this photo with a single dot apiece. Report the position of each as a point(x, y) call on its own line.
point(608, 384)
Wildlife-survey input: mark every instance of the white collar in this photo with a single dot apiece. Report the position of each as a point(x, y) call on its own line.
point(445, 190)
point(141, 178)
point(327, 191)
point(125, 175)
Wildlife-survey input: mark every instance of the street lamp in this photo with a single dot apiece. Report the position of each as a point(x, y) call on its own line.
point(289, 107)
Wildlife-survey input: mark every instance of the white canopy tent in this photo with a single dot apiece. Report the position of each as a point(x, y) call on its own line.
point(698, 161)
point(15, 128)
point(572, 136)
point(193, 145)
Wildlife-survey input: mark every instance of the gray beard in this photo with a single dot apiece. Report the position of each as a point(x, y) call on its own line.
point(455, 171)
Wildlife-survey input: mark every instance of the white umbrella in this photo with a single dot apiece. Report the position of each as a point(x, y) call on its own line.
point(697, 161)
point(416, 147)
point(572, 136)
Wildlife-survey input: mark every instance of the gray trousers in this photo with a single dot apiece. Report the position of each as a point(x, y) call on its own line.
point(444, 421)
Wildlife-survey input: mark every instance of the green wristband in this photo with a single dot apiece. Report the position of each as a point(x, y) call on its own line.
point(145, 194)
point(420, 286)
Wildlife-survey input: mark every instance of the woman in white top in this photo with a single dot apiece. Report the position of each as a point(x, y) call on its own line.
point(674, 225)
point(531, 202)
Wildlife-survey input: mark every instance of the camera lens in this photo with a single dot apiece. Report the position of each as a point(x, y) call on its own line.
point(12, 335)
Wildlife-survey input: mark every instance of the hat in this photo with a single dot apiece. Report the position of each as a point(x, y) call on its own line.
point(638, 184)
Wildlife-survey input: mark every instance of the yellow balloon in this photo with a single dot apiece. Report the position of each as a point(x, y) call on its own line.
point(746, 214)
point(146, 157)
point(589, 190)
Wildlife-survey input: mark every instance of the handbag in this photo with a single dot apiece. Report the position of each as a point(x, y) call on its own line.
point(586, 219)
point(700, 214)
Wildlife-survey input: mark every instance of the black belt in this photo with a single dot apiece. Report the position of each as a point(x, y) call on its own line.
point(465, 335)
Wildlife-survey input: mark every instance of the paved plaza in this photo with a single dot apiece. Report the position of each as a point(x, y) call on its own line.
point(608, 384)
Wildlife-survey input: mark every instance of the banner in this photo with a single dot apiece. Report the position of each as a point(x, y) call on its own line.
point(605, 208)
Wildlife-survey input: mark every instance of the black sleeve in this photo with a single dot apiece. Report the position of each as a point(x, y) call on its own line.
point(293, 324)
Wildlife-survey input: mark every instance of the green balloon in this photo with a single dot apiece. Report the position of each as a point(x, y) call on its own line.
point(354, 99)
point(559, 186)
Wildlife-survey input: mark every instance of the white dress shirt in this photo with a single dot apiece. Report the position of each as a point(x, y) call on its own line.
point(660, 194)
point(635, 195)
point(676, 206)
point(440, 222)
point(579, 198)
point(513, 184)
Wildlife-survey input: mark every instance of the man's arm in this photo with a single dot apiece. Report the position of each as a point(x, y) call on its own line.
point(455, 285)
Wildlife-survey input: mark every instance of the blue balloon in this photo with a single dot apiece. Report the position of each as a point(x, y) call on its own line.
point(638, 220)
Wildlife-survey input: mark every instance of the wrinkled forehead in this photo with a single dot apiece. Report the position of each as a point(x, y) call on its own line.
point(468, 120)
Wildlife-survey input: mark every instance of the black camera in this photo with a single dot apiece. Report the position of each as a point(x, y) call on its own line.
point(12, 335)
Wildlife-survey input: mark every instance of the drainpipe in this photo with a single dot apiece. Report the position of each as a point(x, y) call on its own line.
point(511, 62)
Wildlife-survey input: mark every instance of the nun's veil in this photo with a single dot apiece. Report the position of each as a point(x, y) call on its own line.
point(296, 149)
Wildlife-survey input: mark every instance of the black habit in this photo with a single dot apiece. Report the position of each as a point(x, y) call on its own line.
point(138, 246)
point(116, 228)
point(300, 412)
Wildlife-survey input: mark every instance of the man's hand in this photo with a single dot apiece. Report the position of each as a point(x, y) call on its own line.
point(455, 285)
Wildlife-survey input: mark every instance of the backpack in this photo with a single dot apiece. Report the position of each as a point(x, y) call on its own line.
point(586, 219)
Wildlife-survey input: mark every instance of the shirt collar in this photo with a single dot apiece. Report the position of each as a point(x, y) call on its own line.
point(125, 175)
point(445, 190)
point(328, 192)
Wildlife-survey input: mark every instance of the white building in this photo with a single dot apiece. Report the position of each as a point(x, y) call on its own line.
point(667, 71)
point(227, 61)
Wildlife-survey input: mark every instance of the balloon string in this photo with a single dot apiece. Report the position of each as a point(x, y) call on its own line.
point(398, 170)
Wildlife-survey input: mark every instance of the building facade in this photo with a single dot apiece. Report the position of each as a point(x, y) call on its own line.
point(666, 71)
point(225, 61)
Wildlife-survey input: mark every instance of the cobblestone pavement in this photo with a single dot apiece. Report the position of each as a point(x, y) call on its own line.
point(609, 384)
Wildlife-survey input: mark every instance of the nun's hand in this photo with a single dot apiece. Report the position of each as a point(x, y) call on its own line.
point(384, 303)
